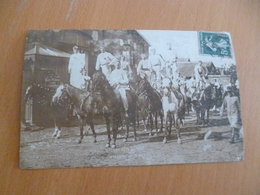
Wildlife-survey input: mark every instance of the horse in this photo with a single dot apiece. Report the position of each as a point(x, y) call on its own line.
point(43, 97)
point(182, 87)
point(173, 108)
point(110, 105)
point(203, 101)
point(149, 103)
point(217, 101)
point(83, 105)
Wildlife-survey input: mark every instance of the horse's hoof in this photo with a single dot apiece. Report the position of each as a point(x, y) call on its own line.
point(54, 135)
point(179, 141)
point(79, 141)
point(155, 134)
point(164, 141)
point(134, 140)
point(113, 146)
point(150, 134)
point(125, 140)
point(58, 137)
point(107, 145)
point(95, 141)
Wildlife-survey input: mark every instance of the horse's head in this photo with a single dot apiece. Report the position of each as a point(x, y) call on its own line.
point(61, 96)
point(99, 80)
point(210, 92)
point(166, 85)
point(141, 86)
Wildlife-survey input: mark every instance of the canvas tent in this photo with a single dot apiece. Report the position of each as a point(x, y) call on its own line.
point(40, 49)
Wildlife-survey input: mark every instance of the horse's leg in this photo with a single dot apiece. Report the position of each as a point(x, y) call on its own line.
point(81, 128)
point(134, 126)
point(208, 116)
point(56, 129)
point(178, 131)
point(145, 125)
point(151, 123)
point(114, 129)
point(203, 117)
point(127, 128)
point(137, 119)
point(165, 127)
point(171, 118)
point(58, 132)
point(198, 113)
point(155, 121)
point(91, 124)
point(108, 131)
point(161, 117)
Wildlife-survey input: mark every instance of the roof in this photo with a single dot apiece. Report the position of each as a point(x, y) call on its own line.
point(186, 68)
point(38, 48)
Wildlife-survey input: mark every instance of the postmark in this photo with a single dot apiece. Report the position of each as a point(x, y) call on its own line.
point(215, 44)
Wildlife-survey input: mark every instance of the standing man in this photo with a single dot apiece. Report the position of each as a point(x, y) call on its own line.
point(76, 68)
point(104, 61)
point(231, 102)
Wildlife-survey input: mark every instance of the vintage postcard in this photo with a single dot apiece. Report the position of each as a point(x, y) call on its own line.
point(95, 98)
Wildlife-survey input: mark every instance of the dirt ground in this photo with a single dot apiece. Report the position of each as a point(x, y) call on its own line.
point(38, 149)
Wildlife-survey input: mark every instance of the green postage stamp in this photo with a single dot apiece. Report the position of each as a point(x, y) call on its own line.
point(215, 44)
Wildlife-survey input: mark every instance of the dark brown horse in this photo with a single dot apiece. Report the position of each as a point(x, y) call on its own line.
point(149, 103)
point(202, 102)
point(83, 104)
point(110, 105)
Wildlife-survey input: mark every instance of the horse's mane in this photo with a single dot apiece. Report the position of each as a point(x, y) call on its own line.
point(102, 78)
point(39, 91)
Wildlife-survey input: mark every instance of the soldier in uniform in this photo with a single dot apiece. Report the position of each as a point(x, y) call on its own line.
point(231, 103)
point(200, 73)
point(169, 58)
point(76, 68)
point(119, 80)
point(157, 64)
point(143, 68)
point(104, 61)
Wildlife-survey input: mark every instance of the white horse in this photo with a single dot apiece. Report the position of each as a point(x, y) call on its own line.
point(173, 108)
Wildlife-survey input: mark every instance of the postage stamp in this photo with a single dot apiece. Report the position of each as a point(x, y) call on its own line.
point(215, 44)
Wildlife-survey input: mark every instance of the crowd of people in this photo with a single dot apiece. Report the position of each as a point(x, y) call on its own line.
point(154, 68)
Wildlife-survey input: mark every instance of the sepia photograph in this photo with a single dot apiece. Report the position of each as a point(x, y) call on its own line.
point(102, 98)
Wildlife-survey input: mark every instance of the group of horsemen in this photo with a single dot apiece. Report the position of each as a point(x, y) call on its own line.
point(154, 69)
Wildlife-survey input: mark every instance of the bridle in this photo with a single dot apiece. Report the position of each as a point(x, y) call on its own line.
point(60, 100)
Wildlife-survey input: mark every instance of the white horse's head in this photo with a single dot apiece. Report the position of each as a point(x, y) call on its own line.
point(59, 93)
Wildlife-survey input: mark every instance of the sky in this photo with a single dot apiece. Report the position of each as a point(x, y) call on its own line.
point(184, 43)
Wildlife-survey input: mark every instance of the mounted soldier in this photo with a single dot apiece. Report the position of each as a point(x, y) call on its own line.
point(104, 62)
point(201, 74)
